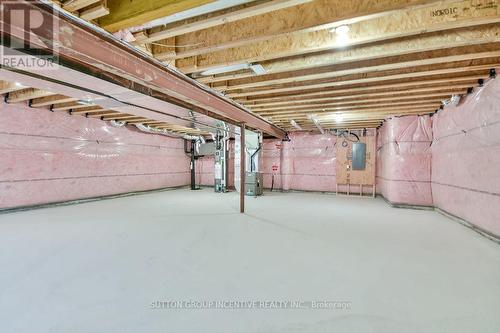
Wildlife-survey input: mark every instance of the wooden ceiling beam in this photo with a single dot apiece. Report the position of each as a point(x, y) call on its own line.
point(27, 94)
point(402, 23)
point(445, 56)
point(311, 126)
point(397, 100)
point(362, 79)
point(124, 117)
point(103, 114)
point(433, 91)
point(75, 5)
point(316, 15)
point(349, 127)
point(126, 14)
point(100, 9)
point(216, 18)
point(352, 91)
point(145, 122)
point(349, 113)
point(425, 44)
point(70, 106)
point(432, 103)
point(8, 87)
point(89, 110)
point(50, 100)
point(353, 121)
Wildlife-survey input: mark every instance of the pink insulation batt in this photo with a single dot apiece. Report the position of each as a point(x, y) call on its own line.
point(306, 163)
point(404, 160)
point(52, 157)
point(466, 158)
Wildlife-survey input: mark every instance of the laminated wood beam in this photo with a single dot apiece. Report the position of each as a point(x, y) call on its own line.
point(399, 24)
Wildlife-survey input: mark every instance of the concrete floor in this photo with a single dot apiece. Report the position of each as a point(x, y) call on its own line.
point(97, 267)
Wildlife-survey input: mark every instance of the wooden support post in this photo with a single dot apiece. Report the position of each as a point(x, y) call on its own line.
point(242, 168)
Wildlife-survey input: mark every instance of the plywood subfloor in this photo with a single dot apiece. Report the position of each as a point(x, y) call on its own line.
point(97, 267)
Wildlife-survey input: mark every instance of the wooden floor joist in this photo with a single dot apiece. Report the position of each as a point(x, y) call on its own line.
point(333, 96)
point(316, 15)
point(15, 93)
point(125, 14)
point(324, 108)
point(409, 99)
point(415, 77)
point(69, 106)
point(430, 45)
point(50, 100)
point(369, 66)
point(215, 19)
point(8, 87)
point(26, 94)
point(289, 60)
point(403, 23)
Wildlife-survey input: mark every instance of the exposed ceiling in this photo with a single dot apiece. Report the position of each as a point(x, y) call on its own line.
point(311, 64)
point(14, 92)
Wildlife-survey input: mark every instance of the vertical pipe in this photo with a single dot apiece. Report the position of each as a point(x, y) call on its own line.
point(242, 168)
point(193, 167)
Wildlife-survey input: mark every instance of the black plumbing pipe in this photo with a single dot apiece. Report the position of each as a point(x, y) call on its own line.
point(251, 158)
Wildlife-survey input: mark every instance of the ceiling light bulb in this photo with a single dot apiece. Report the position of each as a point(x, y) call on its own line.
point(342, 29)
point(339, 117)
point(17, 84)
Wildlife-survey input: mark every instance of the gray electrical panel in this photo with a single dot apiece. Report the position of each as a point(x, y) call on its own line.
point(358, 156)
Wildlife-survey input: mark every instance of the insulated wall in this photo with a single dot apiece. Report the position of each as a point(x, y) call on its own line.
point(51, 157)
point(466, 158)
point(307, 162)
point(404, 160)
